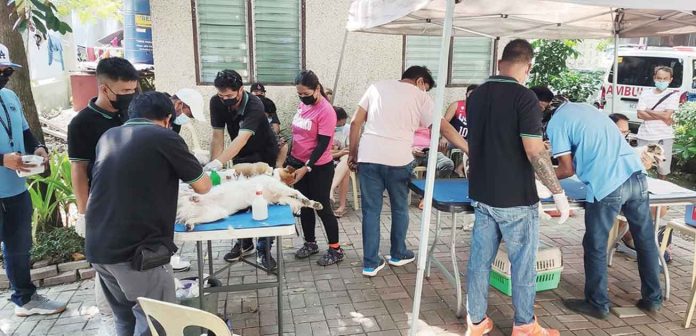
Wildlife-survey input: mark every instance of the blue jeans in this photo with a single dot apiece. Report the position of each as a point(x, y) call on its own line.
point(374, 179)
point(519, 228)
point(15, 231)
point(631, 198)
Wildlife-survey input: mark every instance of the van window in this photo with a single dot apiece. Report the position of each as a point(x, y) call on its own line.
point(638, 70)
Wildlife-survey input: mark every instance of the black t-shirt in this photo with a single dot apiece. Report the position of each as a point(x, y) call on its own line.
point(268, 105)
point(499, 113)
point(86, 128)
point(135, 187)
point(262, 146)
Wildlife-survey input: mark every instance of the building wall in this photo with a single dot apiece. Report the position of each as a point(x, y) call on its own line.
point(367, 58)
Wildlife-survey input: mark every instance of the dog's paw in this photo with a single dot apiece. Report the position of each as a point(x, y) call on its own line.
point(317, 206)
point(195, 199)
point(190, 227)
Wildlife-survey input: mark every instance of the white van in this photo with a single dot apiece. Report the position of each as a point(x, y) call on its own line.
point(636, 74)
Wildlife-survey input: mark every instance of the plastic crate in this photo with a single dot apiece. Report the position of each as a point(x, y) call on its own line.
point(690, 215)
point(545, 280)
point(548, 257)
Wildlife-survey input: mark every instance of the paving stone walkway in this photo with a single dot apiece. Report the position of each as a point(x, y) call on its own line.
point(338, 300)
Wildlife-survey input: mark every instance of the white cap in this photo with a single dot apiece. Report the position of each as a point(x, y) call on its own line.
point(5, 57)
point(194, 100)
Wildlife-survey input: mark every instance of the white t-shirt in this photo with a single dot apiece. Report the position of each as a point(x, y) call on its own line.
point(653, 130)
point(394, 111)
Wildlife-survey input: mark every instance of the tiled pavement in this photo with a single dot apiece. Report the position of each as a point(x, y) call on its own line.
point(338, 300)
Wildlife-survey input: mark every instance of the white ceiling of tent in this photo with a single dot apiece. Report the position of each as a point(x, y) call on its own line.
point(527, 18)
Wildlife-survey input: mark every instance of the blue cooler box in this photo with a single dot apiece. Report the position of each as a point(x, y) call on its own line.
point(690, 215)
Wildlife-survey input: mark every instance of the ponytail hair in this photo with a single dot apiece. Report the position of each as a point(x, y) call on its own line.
point(309, 79)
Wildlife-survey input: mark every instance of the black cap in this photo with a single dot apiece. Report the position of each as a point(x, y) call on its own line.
point(257, 87)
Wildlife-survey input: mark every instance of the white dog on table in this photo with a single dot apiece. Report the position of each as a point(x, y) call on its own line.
point(236, 192)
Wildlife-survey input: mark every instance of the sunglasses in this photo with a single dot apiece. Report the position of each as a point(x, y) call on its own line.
point(7, 72)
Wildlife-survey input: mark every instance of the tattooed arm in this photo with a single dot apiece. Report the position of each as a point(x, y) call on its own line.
point(541, 162)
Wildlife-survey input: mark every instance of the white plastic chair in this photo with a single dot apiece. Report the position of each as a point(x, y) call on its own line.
point(175, 318)
point(691, 231)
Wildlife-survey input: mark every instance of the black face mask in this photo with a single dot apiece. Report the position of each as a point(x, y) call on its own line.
point(309, 100)
point(230, 102)
point(122, 102)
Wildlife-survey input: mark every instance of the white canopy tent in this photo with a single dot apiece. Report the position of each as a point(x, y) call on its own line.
point(552, 19)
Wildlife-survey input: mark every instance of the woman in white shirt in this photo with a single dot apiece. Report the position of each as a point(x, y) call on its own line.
point(656, 107)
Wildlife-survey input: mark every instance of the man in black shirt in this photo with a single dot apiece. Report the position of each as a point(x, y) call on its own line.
point(505, 152)
point(132, 205)
point(117, 82)
point(258, 90)
point(252, 141)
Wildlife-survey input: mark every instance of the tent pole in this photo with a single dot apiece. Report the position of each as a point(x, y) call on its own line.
point(494, 67)
point(340, 64)
point(615, 78)
point(432, 161)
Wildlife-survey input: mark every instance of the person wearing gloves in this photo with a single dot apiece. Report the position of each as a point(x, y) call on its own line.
point(253, 140)
point(588, 145)
point(15, 204)
point(506, 151)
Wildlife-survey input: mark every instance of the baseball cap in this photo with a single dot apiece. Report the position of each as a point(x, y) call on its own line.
point(257, 87)
point(5, 57)
point(194, 100)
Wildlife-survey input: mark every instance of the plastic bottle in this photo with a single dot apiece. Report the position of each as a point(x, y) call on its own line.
point(215, 178)
point(259, 206)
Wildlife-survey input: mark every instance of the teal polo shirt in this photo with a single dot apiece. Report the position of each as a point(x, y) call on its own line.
point(10, 183)
point(602, 158)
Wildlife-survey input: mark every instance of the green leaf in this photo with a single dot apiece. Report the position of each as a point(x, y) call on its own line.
point(40, 6)
point(39, 25)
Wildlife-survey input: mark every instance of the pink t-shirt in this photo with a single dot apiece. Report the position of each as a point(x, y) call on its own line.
point(421, 138)
point(309, 122)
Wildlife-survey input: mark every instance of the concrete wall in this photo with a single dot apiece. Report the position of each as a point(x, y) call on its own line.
point(367, 58)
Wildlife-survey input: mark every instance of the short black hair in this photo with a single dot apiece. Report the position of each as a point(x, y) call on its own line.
point(518, 51)
point(615, 117)
point(340, 113)
point(117, 69)
point(151, 105)
point(228, 79)
point(416, 71)
point(543, 93)
point(471, 87)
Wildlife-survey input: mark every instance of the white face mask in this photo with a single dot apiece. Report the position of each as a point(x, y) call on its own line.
point(182, 119)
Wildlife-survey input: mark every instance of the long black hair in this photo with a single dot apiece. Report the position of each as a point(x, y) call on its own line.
point(309, 79)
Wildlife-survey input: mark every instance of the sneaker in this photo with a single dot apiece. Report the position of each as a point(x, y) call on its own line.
point(585, 308)
point(648, 307)
point(408, 258)
point(307, 250)
point(266, 260)
point(331, 257)
point(483, 328)
point(533, 329)
point(240, 250)
point(179, 265)
point(39, 305)
point(372, 271)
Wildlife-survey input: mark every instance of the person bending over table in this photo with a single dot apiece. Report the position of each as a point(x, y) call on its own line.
point(588, 145)
point(253, 141)
point(391, 111)
point(313, 129)
point(506, 151)
point(132, 209)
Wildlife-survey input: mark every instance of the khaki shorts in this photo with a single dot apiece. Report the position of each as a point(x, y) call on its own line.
point(664, 168)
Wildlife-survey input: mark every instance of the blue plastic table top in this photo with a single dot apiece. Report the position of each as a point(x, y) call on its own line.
point(278, 215)
point(453, 194)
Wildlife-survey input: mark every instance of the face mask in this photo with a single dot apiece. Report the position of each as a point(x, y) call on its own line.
point(339, 128)
point(122, 100)
point(182, 119)
point(309, 100)
point(230, 102)
point(661, 85)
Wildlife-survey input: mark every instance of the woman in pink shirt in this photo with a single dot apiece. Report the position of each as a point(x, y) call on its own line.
point(313, 129)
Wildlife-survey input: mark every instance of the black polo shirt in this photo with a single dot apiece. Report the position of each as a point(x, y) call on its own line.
point(262, 146)
point(135, 186)
point(499, 113)
point(86, 128)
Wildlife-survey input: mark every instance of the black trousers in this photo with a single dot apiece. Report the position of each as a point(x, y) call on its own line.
point(316, 185)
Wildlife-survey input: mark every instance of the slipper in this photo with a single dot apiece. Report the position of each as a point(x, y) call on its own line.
point(339, 214)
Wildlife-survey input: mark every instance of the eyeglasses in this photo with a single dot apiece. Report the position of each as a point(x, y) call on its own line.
point(7, 72)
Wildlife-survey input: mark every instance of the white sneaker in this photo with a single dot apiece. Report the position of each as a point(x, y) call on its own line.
point(372, 271)
point(39, 305)
point(179, 265)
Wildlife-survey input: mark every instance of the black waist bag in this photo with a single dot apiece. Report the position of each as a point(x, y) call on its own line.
point(150, 256)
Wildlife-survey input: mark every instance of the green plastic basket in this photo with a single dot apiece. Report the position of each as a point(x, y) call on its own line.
point(545, 280)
